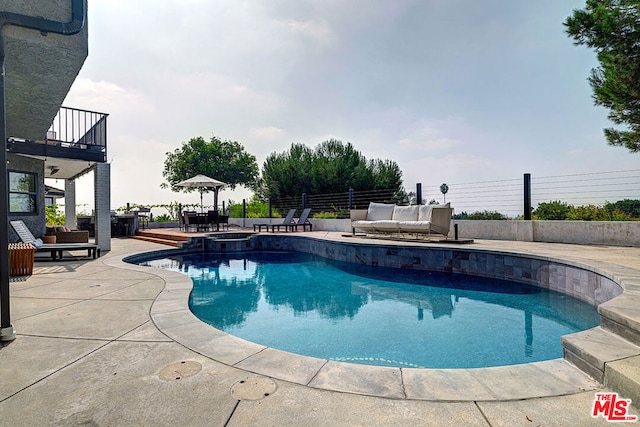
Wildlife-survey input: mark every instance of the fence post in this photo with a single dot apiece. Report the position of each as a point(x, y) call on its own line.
point(527, 197)
point(350, 198)
point(304, 200)
point(223, 208)
point(270, 209)
point(419, 193)
point(244, 208)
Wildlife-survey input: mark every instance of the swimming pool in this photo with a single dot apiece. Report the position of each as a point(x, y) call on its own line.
point(306, 304)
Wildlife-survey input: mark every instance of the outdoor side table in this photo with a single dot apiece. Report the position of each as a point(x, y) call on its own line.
point(21, 259)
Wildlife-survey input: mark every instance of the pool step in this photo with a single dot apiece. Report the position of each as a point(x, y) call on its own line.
point(603, 354)
point(165, 238)
point(167, 242)
point(622, 316)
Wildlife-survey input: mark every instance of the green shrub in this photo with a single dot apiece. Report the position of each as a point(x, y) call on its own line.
point(627, 206)
point(255, 209)
point(555, 210)
point(588, 213)
point(618, 215)
point(162, 218)
point(325, 215)
point(482, 215)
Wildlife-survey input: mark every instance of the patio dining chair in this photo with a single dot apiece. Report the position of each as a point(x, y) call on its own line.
point(189, 220)
point(144, 215)
point(223, 220)
point(213, 219)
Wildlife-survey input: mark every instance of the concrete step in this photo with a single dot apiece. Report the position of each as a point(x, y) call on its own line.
point(623, 376)
point(622, 316)
point(595, 349)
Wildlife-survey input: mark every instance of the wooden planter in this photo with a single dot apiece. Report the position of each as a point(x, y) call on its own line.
point(49, 239)
point(21, 258)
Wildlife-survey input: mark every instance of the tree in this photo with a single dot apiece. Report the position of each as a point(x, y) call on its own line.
point(226, 161)
point(444, 189)
point(332, 167)
point(612, 29)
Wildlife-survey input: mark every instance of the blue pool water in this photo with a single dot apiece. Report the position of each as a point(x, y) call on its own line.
point(313, 306)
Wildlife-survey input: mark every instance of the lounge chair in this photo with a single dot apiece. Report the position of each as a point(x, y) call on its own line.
point(55, 249)
point(288, 220)
point(303, 222)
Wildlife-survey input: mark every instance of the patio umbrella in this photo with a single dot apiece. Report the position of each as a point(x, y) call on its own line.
point(201, 182)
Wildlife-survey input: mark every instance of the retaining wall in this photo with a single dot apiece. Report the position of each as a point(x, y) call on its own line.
point(612, 233)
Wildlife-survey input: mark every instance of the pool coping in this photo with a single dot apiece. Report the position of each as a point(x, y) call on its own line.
point(171, 315)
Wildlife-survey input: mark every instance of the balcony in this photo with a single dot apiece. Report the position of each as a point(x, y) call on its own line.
point(75, 141)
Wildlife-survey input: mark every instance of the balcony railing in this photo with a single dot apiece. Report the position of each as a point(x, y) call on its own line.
point(74, 134)
point(76, 128)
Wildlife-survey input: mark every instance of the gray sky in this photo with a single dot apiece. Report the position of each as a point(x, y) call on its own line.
point(454, 91)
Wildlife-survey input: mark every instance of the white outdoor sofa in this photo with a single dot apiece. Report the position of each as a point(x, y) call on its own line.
point(392, 219)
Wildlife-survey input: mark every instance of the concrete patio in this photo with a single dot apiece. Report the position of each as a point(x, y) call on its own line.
point(97, 346)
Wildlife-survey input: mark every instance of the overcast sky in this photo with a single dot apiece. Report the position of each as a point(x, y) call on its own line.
point(454, 91)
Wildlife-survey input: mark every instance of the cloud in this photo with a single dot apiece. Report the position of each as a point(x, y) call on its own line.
point(313, 29)
point(434, 136)
point(453, 91)
point(266, 134)
point(105, 96)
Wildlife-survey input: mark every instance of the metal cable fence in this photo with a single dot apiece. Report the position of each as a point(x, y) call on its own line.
point(337, 204)
point(508, 196)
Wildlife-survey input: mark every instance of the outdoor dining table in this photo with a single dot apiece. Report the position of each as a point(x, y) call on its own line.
point(201, 221)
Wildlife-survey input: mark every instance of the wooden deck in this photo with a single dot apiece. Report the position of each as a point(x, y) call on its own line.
point(173, 236)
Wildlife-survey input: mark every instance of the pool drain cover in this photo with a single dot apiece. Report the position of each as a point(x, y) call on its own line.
point(253, 388)
point(180, 370)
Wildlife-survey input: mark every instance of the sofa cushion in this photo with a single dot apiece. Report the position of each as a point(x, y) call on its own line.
point(379, 211)
point(415, 226)
point(72, 237)
point(385, 225)
point(405, 213)
point(424, 214)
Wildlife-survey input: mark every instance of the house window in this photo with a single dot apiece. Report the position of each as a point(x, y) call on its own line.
point(22, 193)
